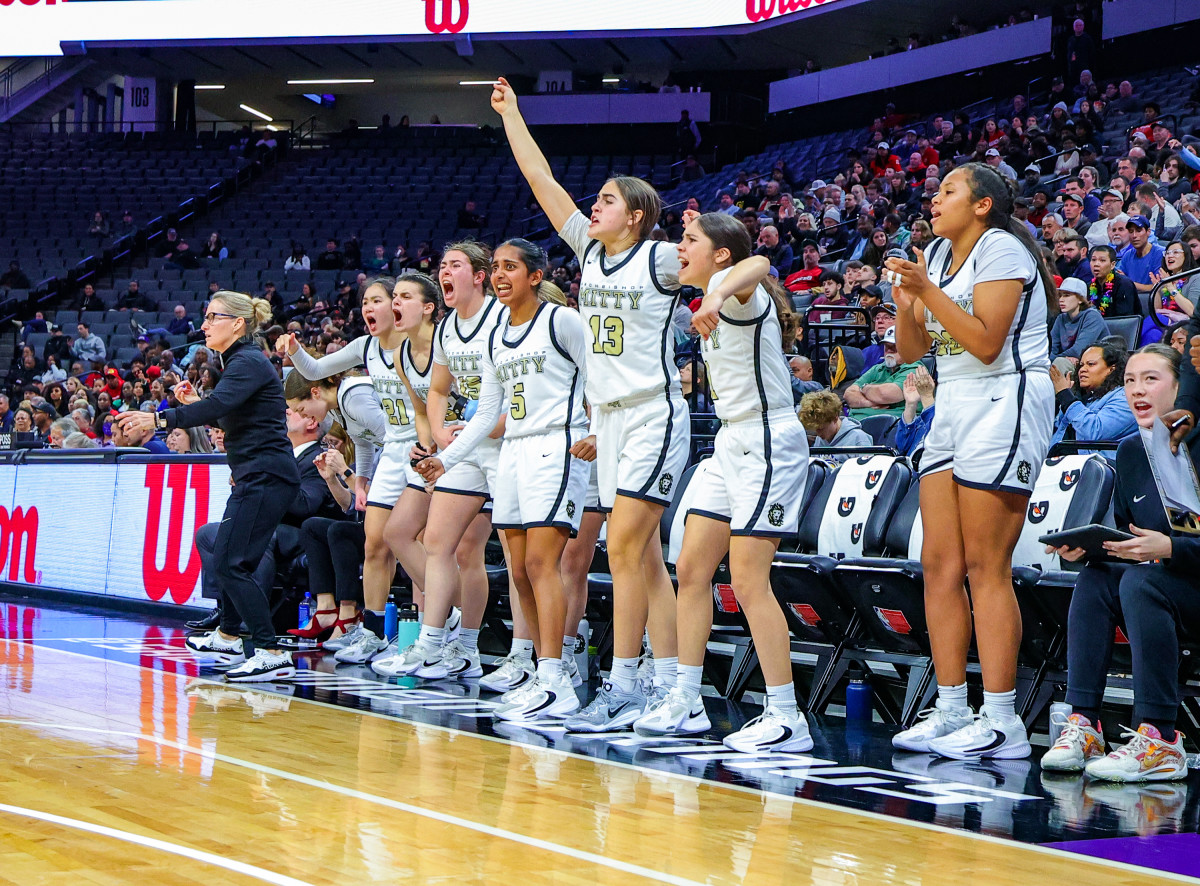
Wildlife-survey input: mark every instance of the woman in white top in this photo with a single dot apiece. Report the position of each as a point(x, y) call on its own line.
point(393, 474)
point(745, 498)
point(980, 298)
point(535, 362)
point(627, 297)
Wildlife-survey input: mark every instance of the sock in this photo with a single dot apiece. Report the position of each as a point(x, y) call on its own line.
point(521, 648)
point(953, 698)
point(469, 638)
point(664, 671)
point(688, 678)
point(783, 699)
point(430, 639)
point(373, 622)
point(568, 650)
point(549, 669)
point(1000, 704)
point(1166, 728)
point(624, 673)
point(421, 618)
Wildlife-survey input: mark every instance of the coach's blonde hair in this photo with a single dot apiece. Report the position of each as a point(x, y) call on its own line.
point(255, 312)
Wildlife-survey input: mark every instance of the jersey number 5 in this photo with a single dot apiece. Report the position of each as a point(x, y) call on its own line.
point(517, 409)
point(612, 342)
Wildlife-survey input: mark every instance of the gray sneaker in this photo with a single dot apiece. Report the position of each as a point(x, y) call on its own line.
point(609, 711)
point(347, 639)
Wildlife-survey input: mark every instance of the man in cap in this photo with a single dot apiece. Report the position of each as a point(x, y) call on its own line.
point(1140, 258)
point(993, 159)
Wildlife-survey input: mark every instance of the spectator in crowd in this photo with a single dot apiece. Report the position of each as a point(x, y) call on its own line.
point(806, 278)
point(14, 278)
point(993, 159)
point(60, 429)
point(88, 348)
point(379, 261)
point(918, 411)
point(89, 301)
point(687, 134)
point(1078, 325)
point(298, 260)
point(1173, 182)
point(58, 346)
point(1111, 206)
point(1072, 254)
point(802, 378)
point(99, 226)
point(879, 390)
point(126, 228)
point(181, 323)
point(883, 161)
point(332, 258)
point(1072, 213)
point(78, 440)
point(44, 415)
point(1165, 221)
point(1094, 406)
point(1111, 292)
point(469, 218)
point(883, 318)
point(726, 205)
point(1176, 336)
point(138, 437)
point(186, 441)
point(1176, 301)
point(1081, 51)
point(134, 299)
point(23, 422)
point(6, 415)
point(83, 421)
point(1140, 258)
point(821, 414)
point(777, 253)
point(352, 252)
point(1144, 586)
point(214, 247)
point(53, 372)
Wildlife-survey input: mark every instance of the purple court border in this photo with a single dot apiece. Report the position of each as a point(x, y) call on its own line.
point(1170, 853)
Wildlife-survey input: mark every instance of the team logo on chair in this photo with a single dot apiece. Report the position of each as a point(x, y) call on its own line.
point(664, 484)
point(775, 515)
point(845, 505)
point(1038, 511)
point(856, 532)
point(1024, 472)
point(570, 509)
point(873, 478)
point(1068, 479)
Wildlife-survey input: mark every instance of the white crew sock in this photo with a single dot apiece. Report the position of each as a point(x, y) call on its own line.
point(1000, 705)
point(624, 673)
point(688, 679)
point(953, 698)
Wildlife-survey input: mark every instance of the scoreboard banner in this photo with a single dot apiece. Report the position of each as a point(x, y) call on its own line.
point(116, 530)
point(39, 27)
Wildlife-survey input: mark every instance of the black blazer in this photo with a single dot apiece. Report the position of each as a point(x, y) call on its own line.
point(248, 405)
point(313, 498)
point(1189, 391)
point(1136, 501)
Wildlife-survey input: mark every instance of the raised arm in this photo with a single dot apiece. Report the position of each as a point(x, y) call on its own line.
point(550, 195)
point(314, 368)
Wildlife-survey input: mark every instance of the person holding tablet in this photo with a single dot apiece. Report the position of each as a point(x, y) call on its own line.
point(1145, 585)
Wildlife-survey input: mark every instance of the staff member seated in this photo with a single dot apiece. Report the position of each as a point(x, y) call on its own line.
point(1148, 590)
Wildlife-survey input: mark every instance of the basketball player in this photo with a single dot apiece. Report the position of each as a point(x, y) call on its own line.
point(535, 362)
point(980, 299)
point(750, 490)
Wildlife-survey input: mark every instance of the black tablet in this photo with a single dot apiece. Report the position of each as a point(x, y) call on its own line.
point(1091, 538)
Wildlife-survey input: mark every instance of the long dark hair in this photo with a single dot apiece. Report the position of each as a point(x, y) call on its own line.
point(1115, 354)
point(726, 232)
point(985, 182)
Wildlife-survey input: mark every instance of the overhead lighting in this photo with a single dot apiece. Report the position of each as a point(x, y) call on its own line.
point(209, 86)
point(611, 80)
point(257, 113)
point(325, 82)
point(272, 128)
point(476, 82)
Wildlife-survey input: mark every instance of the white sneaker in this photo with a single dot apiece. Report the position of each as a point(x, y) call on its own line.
point(345, 640)
point(515, 670)
point(542, 700)
point(1147, 756)
point(364, 648)
point(1078, 744)
point(213, 645)
point(263, 667)
point(400, 663)
point(453, 624)
point(674, 714)
point(932, 723)
point(451, 661)
point(772, 732)
point(1003, 738)
point(572, 670)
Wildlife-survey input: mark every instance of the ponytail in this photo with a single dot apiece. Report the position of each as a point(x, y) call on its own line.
point(985, 182)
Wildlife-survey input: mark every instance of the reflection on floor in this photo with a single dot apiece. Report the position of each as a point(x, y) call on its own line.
point(855, 767)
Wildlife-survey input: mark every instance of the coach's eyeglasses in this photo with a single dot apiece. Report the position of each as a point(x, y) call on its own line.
point(213, 315)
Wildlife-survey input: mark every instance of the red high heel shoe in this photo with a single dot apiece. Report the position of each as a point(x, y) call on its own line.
point(314, 630)
point(346, 624)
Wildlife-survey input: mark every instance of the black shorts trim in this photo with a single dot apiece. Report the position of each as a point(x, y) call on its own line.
point(538, 524)
point(707, 514)
point(382, 507)
point(935, 469)
point(662, 454)
point(761, 533)
point(596, 510)
point(566, 472)
point(994, 487)
point(485, 496)
point(416, 487)
point(643, 496)
point(1016, 441)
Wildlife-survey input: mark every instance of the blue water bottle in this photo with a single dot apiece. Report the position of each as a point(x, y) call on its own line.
point(858, 698)
point(305, 610)
point(470, 409)
point(390, 618)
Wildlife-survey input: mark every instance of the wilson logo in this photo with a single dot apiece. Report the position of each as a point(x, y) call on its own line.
point(27, 2)
point(440, 16)
point(760, 10)
point(170, 579)
point(16, 527)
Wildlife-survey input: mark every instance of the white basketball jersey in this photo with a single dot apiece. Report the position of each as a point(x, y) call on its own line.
point(418, 379)
point(459, 345)
point(353, 410)
point(393, 396)
point(744, 356)
point(542, 383)
point(627, 312)
point(997, 255)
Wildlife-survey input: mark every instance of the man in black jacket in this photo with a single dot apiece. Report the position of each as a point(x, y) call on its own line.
point(312, 499)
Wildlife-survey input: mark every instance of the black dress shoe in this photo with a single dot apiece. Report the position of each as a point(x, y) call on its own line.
point(207, 623)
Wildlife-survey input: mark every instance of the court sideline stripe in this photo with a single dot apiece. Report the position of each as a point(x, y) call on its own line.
point(754, 792)
point(153, 843)
point(535, 842)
